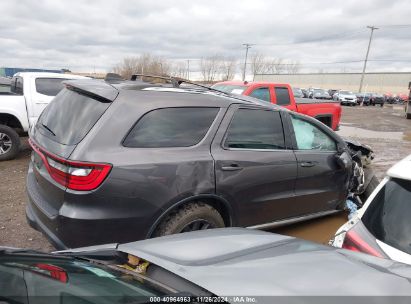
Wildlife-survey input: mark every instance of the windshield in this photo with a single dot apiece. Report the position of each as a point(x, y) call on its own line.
point(319, 91)
point(229, 88)
point(71, 281)
point(346, 93)
point(388, 216)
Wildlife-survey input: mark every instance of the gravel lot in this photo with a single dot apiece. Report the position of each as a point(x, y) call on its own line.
point(384, 129)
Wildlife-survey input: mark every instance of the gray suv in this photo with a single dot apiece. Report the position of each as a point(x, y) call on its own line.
point(132, 160)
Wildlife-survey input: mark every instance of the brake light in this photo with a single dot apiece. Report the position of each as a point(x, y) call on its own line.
point(81, 176)
point(354, 242)
point(55, 272)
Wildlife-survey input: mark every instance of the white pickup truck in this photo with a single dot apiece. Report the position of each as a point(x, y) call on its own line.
point(20, 106)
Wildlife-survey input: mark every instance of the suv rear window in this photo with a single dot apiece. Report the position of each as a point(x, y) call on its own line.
point(171, 127)
point(49, 86)
point(388, 216)
point(70, 116)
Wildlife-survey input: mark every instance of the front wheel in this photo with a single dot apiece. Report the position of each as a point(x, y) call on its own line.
point(190, 217)
point(9, 143)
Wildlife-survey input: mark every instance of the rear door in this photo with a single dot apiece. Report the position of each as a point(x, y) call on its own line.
point(255, 169)
point(321, 184)
point(64, 123)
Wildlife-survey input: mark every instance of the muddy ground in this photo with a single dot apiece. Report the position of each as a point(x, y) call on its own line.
point(384, 129)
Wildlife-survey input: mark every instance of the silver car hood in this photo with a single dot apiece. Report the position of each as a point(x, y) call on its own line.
point(245, 262)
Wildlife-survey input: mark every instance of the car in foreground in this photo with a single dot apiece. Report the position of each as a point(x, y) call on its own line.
point(298, 93)
point(219, 265)
point(346, 98)
point(118, 162)
point(382, 226)
point(328, 112)
point(377, 98)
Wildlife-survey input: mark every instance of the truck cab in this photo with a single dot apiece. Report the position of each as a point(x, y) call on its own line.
point(327, 111)
point(22, 104)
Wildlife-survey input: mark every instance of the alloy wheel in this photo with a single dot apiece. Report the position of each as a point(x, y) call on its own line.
point(5, 143)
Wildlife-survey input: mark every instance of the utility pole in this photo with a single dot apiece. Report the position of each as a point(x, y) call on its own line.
point(247, 46)
point(188, 69)
point(372, 28)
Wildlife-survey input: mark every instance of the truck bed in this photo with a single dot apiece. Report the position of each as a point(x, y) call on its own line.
point(311, 101)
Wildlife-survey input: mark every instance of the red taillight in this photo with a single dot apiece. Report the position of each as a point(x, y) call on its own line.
point(55, 272)
point(354, 242)
point(74, 175)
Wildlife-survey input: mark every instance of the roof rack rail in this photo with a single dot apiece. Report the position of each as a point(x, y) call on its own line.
point(177, 81)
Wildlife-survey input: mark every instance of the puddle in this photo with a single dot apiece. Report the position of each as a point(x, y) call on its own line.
point(318, 230)
point(348, 131)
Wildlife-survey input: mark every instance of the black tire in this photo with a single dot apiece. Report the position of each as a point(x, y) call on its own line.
point(408, 116)
point(374, 182)
point(192, 214)
point(382, 105)
point(8, 135)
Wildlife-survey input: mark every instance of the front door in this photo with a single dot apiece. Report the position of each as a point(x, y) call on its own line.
point(321, 184)
point(255, 170)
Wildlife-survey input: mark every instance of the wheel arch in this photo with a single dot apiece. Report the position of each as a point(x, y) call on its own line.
point(10, 120)
point(215, 201)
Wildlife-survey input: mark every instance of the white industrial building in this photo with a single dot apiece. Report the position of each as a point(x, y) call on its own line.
point(387, 82)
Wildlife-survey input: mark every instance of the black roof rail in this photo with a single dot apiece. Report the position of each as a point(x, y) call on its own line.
point(177, 81)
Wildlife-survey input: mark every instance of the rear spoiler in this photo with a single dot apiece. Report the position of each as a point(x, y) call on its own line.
point(95, 89)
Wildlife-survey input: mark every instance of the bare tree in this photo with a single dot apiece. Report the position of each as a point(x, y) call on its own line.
point(227, 68)
point(143, 64)
point(292, 67)
point(209, 67)
point(277, 66)
point(179, 69)
point(259, 64)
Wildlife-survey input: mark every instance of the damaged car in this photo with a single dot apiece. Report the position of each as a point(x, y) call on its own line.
point(121, 161)
point(219, 265)
point(382, 227)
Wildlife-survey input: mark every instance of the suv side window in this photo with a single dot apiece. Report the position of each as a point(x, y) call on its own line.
point(255, 129)
point(171, 127)
point(17, 86)
point(310, 137)
point(49, 86)
point(282, 96)
point(261, 93)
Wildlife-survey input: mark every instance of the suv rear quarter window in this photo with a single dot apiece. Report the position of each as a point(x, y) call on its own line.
point(171, 127)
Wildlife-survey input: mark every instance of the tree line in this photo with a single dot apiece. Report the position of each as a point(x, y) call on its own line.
point(212, 68)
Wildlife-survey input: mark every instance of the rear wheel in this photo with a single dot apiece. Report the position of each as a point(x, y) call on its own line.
point(191, 217)
point(382, 105)
point(408, 116)
point(9, 143)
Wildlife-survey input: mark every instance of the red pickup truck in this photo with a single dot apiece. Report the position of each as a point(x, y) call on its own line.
point(328, 112)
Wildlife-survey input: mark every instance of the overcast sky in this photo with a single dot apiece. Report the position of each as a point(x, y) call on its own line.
point(88, 35)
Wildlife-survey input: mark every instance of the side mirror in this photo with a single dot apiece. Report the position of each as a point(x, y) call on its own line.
point(344, 160)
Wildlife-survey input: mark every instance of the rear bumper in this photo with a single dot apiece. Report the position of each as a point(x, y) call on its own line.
point(84, 226)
